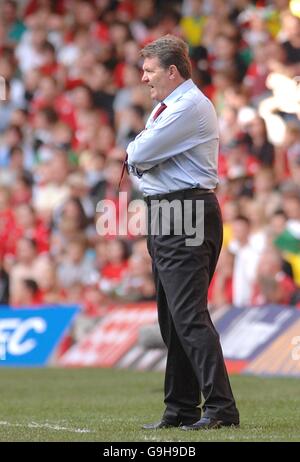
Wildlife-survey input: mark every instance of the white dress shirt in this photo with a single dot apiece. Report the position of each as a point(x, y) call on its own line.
point(178, 150)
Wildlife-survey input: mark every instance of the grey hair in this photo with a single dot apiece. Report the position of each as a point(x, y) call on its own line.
point(170, 50)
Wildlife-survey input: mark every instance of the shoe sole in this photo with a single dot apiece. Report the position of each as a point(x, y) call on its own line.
point(159, 428)
point(145, 427)
point(215, 426)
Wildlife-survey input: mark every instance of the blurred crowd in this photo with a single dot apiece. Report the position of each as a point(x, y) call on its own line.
point(72, 100)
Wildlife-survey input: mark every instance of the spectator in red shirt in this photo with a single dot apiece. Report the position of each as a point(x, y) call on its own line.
point(49, 94)
point(117, 263)
point(31, 295)
point(260, 146)
point(29, 225)
point(7, 223)
point(272, 284)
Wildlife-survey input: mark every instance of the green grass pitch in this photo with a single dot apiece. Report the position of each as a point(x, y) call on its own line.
point(111, 405)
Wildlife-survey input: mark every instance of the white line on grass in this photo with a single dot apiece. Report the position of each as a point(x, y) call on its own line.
point(46, 425)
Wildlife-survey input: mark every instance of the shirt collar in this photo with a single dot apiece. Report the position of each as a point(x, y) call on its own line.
point(179, 91)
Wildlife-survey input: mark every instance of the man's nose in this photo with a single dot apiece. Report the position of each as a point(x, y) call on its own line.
point(145, 78)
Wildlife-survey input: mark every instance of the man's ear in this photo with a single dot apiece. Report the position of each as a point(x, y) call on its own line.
point(173, 71)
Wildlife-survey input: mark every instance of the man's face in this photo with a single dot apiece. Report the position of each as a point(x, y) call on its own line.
point(157, 78)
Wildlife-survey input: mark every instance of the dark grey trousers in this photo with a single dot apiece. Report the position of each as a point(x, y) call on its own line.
point(182, 275)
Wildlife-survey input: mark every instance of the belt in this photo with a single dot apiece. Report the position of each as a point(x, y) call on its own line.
point(180, 194)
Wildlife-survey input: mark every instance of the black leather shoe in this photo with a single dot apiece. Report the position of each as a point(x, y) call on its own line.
point(206, 423)
point(159, 425)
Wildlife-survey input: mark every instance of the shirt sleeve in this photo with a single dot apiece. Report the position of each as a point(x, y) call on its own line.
point(175, 132)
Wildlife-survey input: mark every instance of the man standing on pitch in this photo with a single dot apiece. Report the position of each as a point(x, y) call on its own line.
point(176, 159)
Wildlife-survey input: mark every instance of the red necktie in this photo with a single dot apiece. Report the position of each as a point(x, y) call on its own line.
point(161, 108)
